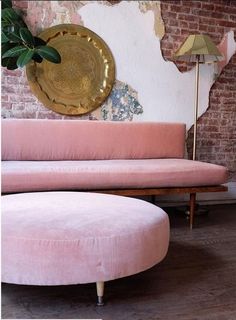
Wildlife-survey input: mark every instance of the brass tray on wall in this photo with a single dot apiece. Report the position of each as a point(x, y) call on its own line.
point(83, 79)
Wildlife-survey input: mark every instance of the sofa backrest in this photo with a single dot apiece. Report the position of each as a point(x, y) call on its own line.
point(33, 139)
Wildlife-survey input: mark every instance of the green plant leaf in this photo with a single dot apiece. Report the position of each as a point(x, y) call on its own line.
point(37, 58)
point(24, 58)
point(6, 4)
point(9, 14)
point(20, 23)
point(14, 52)
point(13, 37)
point(4, 37)
point(26, 36)
point(13, 34)
point(6, 46)
point(39, 42)
point(6, 24)
point(49, 54)
point(7, 27)
point(9, 63)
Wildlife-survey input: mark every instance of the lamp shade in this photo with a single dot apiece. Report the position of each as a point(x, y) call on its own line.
point(199, 48)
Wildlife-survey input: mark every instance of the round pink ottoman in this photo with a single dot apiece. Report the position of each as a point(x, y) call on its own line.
point(59, 238)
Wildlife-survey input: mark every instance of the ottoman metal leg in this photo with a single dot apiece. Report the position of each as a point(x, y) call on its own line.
point(100, 291)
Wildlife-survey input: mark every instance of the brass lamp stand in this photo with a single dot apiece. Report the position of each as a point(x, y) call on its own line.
point(196, 107)
point(197, 48)
point(200, 49)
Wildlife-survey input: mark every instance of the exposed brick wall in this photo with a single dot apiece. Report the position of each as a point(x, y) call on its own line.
point(184, 17)
point(216, 139)
point(217, 126)
point(17, 98)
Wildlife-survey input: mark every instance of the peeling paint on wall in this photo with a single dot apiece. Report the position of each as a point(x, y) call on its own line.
point(165, 93)
point(121, 105)
point(227, 48)
point(155, 7)
point(44, 14)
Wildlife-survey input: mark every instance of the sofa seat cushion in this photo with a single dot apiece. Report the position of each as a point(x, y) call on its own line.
point(20, 176)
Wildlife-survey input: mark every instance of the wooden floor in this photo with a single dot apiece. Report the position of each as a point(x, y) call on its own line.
point(196, 281)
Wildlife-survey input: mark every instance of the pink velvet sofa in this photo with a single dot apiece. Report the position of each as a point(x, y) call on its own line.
point(125, 158)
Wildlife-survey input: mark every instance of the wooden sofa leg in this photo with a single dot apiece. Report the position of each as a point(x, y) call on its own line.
point(100, 292)
point(192, 208)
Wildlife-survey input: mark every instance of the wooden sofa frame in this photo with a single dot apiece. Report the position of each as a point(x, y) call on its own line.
point(192, 191)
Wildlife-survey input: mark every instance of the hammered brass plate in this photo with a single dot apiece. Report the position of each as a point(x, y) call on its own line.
point(83, 79)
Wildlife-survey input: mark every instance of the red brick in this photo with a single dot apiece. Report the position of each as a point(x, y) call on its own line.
point(20, 4)
point(6, 105)
point(48, 115)
point(207, 6)
point(8, 89)
point(13, 73)
point(169, 45)
point(219, 15)
point(211, 29)
point(188, 17)
point(19, 114)
point(192, 4)
point(226, 23)
point(176, 8)
point(207, 21)
point(165, 6)
point(185, 32)
point(176, 31)
point(12, 80)
point(18, 106)
point(203, 27)
point(171, 15)
point(4, 98)
point(167, 53)
point(201, 13)
point(183, 24)
point(232, 17)
point(226, 9)
point(173, 22)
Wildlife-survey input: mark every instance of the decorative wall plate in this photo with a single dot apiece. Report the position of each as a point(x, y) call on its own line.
point(83, 79)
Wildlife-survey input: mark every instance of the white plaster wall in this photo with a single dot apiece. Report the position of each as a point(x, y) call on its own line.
point(231, 45)
point(165, 93)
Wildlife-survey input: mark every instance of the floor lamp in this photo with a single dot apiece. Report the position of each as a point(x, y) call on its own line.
point(200, 49)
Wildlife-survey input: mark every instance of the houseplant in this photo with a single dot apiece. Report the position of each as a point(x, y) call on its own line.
point(19, 46)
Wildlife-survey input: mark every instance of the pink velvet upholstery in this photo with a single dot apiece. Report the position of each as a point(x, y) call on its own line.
point(30, 139)
point(73, 154)
point(20, 176)
point(59, 238)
